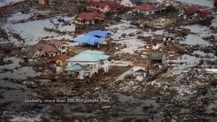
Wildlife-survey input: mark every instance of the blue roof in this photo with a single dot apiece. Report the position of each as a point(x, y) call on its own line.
point(90, 40)
point(89, 56)
point(75, 67)
point(92, 52)
point(99, 33)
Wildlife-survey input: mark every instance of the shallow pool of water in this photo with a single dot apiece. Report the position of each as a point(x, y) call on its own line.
point(194, 40)
point(183, 62)
point(14, 94)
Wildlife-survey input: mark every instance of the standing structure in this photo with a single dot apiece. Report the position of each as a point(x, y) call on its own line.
point(88, 63)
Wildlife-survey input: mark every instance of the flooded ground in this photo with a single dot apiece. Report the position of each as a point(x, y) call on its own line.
point(187, 91)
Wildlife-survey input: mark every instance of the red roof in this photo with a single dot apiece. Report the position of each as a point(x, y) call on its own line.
point(90, 15)
point(191, 10)
point(204, 13)
point(62, 57)
point(98, 4)
point(56, 42)
point(146, 7)
point(111, 4)
point(49, 48)
point(114, 5)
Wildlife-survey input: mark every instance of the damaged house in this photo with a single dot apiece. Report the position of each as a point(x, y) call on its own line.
point(190, 12)
point(139, 72)
point(148, 9)
point(105, 6)
point(156, 59)
point(89, 18)
point(88, 63)
point(195, 12)
point(61, 62)
point(52, 48)
point(94, 38)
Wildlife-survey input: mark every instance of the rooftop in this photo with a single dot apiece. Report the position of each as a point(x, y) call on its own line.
point(146, 6)
point(156, 56)
point(49, 48)
point(56, 42)
point(90, 15)
point(89, 56)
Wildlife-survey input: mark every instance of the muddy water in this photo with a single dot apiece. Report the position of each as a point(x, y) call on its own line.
point(34, 31)
point(15, 70)
point(207, 3)
point(195, 40)
point(13, 95)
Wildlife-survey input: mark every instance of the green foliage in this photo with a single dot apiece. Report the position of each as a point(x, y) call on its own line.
point(81, 7)
point(171, 9)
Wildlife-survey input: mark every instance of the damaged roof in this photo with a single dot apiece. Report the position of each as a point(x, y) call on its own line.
point(110, 4)
point(99, 33)
point(191, 10)
point(88, 39)
point(146, 6)
point(56, 42)
point(49, 48)
point(156, 56)
point(204, 13)
point(90, 15)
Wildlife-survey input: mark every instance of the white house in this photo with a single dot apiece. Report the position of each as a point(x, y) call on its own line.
point(90, 63)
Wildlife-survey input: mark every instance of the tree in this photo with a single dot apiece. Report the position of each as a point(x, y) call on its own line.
point(81, 7)
point(171, 9)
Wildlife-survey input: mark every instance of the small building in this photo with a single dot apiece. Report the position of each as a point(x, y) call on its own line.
point(94, 38)
point(60, 45)
point(93, 61)
point(105, 6)
point(99, 6)
point(100, 33)
point(114, 6)
point(139, 73)
point(192, 11)
point(50, 50)
point(104, 35)
point(205, 13)
point(157, 59)
point(89, 40)
point(89, 18)
point(145, 9)
point(61, 60)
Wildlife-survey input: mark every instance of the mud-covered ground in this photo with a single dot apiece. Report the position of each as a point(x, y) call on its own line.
point(31, 90)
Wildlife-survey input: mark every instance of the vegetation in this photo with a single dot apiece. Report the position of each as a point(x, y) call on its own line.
point(171, 9)
point(81, 7)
